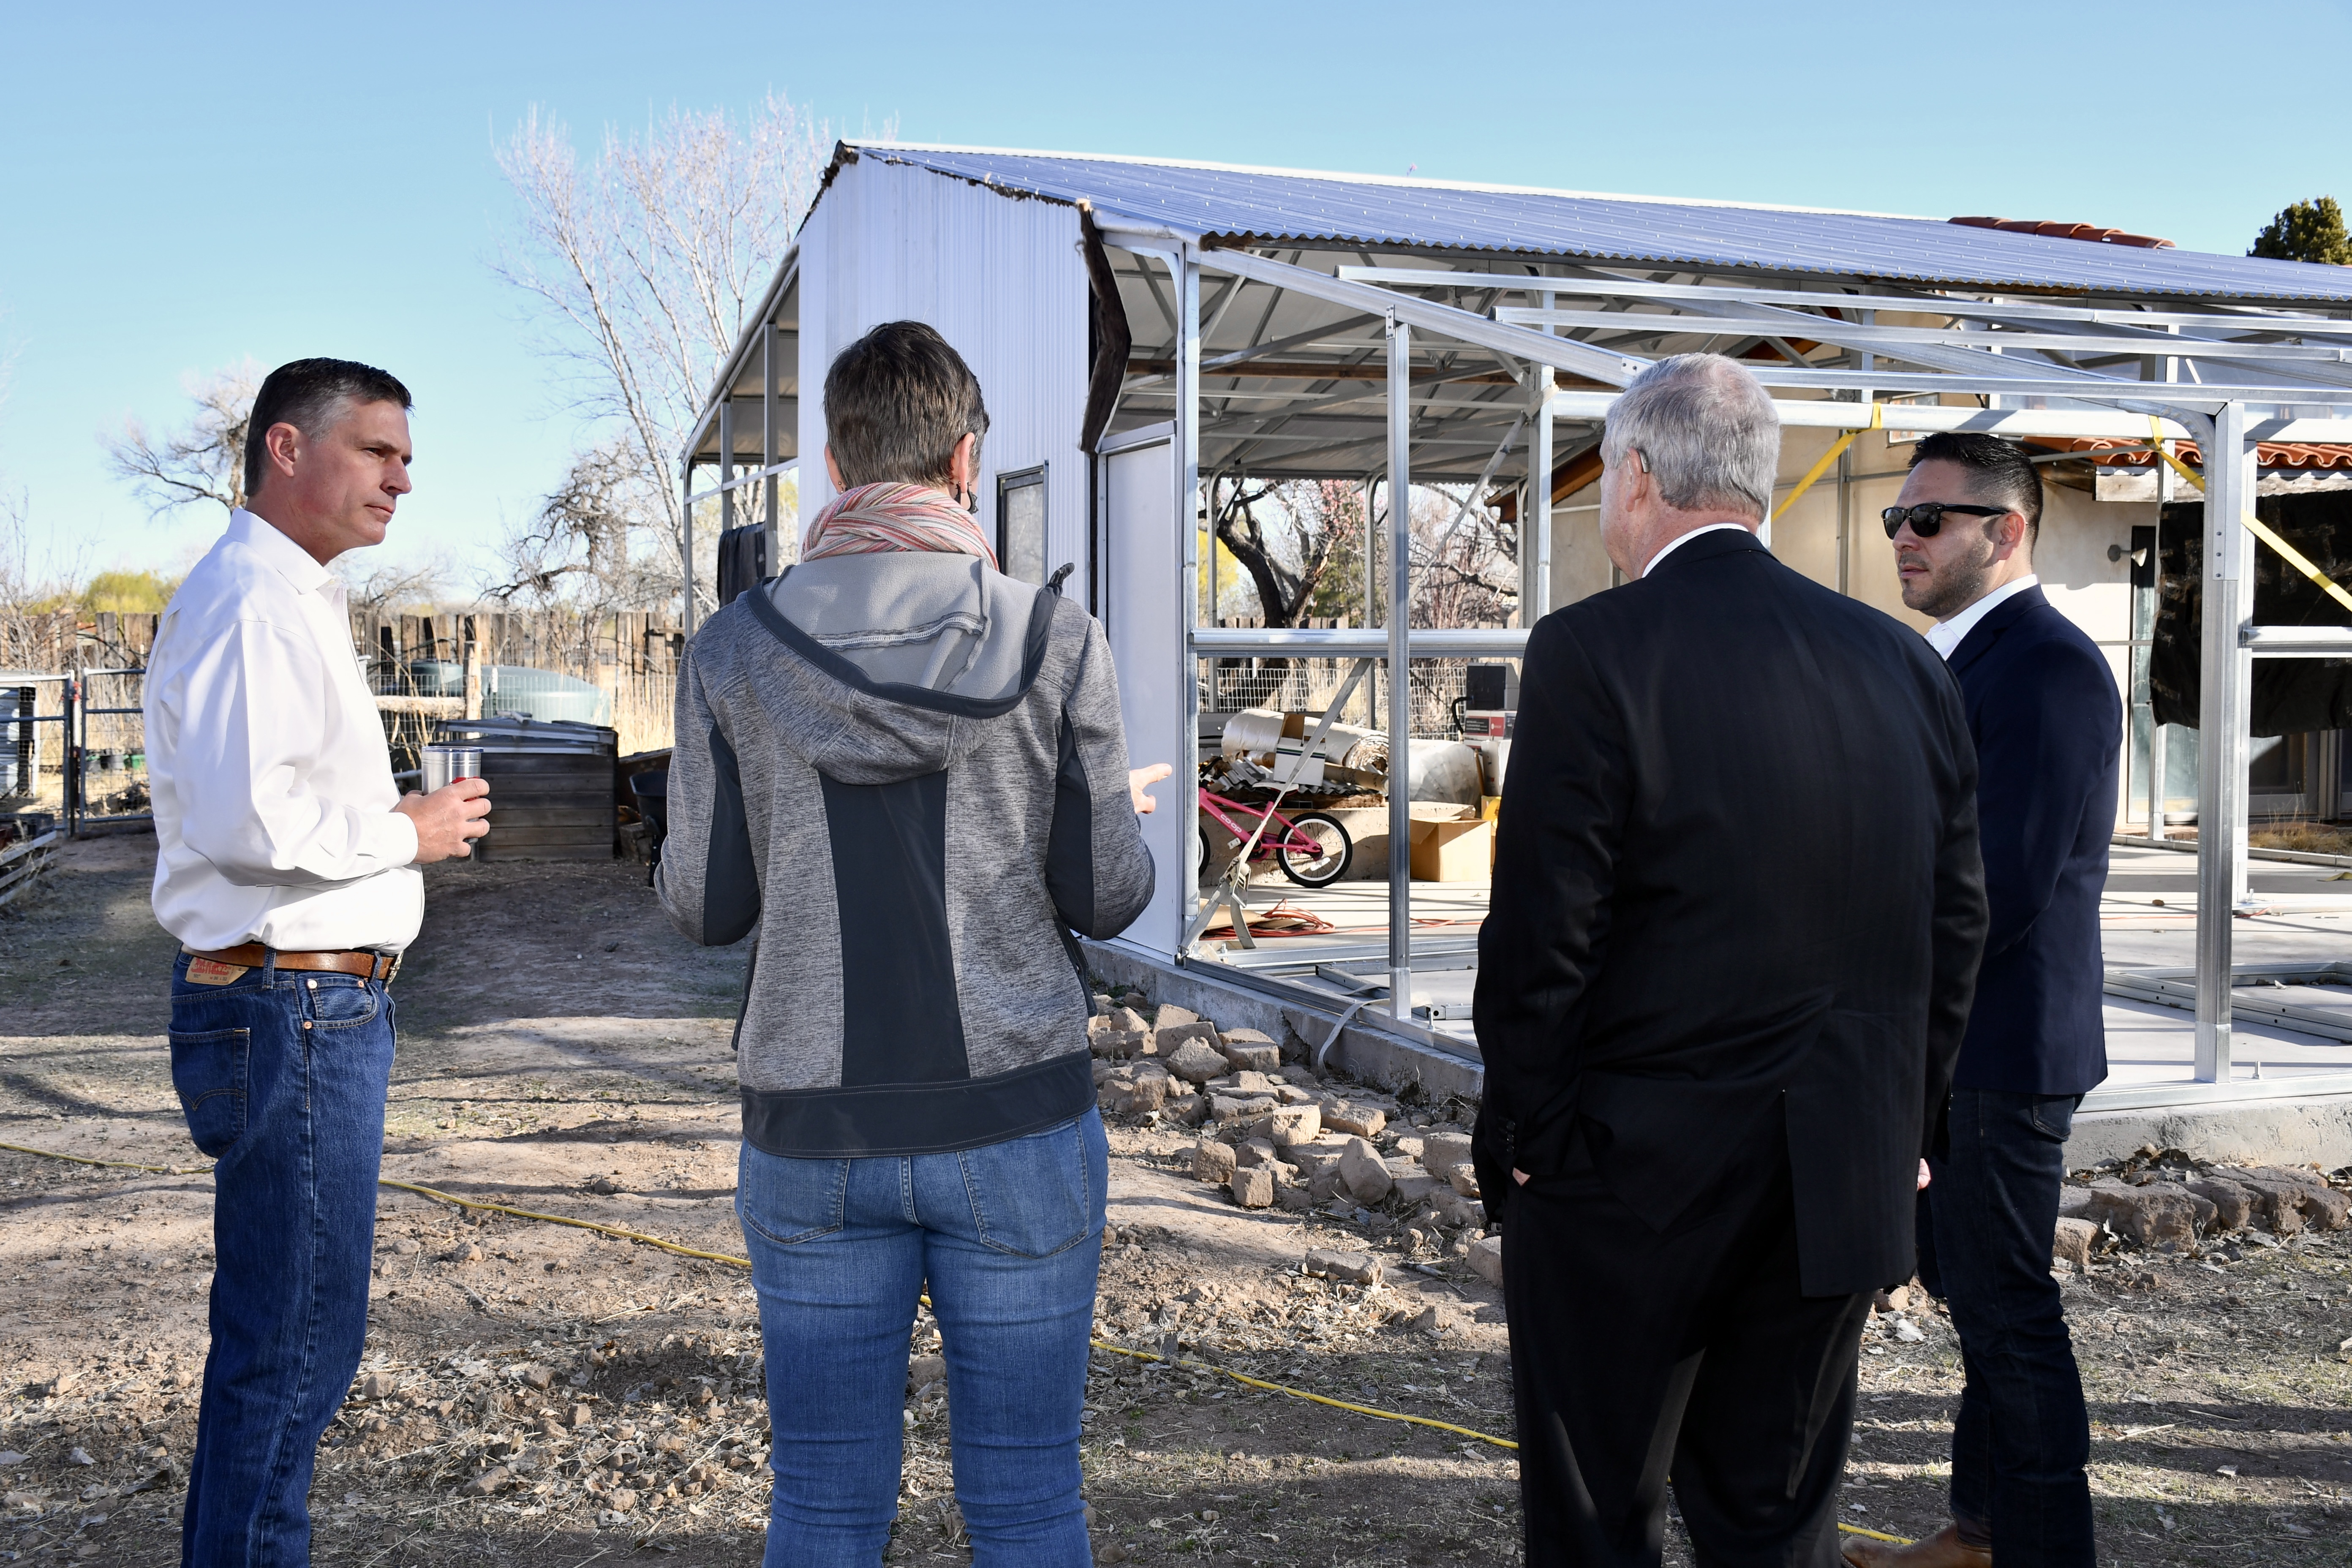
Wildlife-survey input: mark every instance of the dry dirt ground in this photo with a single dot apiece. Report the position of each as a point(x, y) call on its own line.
point(543, 1395)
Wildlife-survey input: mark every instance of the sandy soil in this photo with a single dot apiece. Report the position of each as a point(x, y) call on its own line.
point(543, 1395)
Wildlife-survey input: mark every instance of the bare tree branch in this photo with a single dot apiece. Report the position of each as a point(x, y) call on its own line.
point(202, 461)
point(643, 268)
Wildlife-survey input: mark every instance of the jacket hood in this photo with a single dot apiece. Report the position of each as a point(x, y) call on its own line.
point(898, 661)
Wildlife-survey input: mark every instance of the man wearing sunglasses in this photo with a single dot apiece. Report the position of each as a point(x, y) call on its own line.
point(2048, 724)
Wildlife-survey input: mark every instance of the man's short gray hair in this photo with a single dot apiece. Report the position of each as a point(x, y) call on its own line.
point(1708, 430)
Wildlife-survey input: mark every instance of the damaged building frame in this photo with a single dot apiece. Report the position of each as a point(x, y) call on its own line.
point(1141, 327)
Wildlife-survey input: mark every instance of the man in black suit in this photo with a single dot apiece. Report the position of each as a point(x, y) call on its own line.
point(1736, 917)
point(2048, 725)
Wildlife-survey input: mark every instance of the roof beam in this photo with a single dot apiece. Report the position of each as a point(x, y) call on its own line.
point(1518, 343)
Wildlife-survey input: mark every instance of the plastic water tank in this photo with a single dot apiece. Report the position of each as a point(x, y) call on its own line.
point(543, 694)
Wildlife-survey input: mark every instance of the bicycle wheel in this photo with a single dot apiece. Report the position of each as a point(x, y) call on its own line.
point(1317, 870)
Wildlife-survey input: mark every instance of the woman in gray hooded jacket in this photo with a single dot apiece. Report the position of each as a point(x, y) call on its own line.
point(904, 775)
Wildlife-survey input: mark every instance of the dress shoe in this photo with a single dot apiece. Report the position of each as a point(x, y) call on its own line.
point(1945, 1549)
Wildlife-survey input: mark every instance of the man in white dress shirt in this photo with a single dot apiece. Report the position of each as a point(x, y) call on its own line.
point(286, 866)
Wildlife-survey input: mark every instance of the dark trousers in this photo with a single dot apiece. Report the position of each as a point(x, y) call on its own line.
point(2023, 1434)
point(1636, 1353)
point(282, 1078)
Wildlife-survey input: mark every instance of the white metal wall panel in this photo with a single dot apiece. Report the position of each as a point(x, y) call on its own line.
point(1139, 616)
point(1002, 278)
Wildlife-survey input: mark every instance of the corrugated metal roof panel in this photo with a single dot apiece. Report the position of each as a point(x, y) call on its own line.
point(1280, 205)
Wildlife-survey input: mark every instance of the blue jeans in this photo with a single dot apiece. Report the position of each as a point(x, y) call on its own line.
point(2022, 1436)
point(1009, 1238)
point(282, 1076)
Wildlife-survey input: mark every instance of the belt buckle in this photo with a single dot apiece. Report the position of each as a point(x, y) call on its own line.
point(391, 969)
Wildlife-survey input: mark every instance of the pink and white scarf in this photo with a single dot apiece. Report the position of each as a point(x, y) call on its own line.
point(869, 519)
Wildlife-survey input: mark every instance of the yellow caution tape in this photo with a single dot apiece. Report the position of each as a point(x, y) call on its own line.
point(1837, 449)
point(110, 1164)
point(614, 1231)
point(2254, 525)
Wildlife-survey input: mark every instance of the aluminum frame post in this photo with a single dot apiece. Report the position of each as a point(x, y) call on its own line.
point(727, 464)
point(768, 441)
point(1534, 520)
point(2226, 678)
point(1400, 670)
point(685, 542)
point(1185, 268)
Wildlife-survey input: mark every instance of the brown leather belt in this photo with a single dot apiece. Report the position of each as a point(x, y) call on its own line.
point(253, 955)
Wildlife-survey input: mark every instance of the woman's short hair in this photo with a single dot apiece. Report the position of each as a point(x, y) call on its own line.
point(1708, 431)
point(897, 401)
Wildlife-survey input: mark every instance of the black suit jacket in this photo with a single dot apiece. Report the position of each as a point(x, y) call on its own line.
point(1737, 878)
point(2048, 725)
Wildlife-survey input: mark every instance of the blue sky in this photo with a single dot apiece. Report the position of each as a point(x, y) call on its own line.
point(180, 187)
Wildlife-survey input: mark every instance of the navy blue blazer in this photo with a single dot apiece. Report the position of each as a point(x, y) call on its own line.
point(2048, 724)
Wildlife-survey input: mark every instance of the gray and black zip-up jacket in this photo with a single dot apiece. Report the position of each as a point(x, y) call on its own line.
point(908, 774)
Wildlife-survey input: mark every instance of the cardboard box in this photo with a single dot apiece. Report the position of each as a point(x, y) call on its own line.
point(1451, 844)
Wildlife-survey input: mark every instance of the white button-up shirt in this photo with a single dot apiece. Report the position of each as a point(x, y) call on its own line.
point(1946, 637)
point(274, 819)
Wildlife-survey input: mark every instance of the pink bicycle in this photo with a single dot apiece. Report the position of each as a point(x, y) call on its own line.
point(1311, 847)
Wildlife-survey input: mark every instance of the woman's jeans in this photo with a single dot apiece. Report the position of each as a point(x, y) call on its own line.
point(282, 1076)
point(1008, 1239)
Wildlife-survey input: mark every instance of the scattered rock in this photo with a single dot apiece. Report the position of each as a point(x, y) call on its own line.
point(1454, 1211)
point(487, 1483)
point(1360, 1121)
point(1254, 1152)
point(1131, 1091)
point(469, 1253)
point(1116, 1042)
point(2234, 1206)
point(79, 1456)
point(2073, 1201)
point(1464, 1178)
point(1212, 1161)
point(407, 1246)
point(376, 1385)
point(1907, 1332)
point(622, 1499)
point(1434, 1319)
point(2319, 1205)
point(1228, 1108)
point(1125, 1021)
point(579, 1416)
point(10, 1456)
point(1172, 1016)
point(64, 1383)
point(1365, 1174)
point(922, 1370)
point(1250, 1051)
point(605, 1186)
point(1190, 1110)
point(1486, 1260)
point(2152, 1216)
point(1353, 1268)
point(1253, 1187)
point(1292, 1124)
point(1441, 1152)
point(2076, 1242)
point(1193, 1059)
point(537, 1376)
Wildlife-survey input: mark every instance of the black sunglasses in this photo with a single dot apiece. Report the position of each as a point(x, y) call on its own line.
point(1927, 520)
